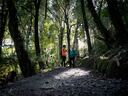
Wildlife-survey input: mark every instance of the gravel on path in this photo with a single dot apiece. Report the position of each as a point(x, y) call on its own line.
point(67, 82)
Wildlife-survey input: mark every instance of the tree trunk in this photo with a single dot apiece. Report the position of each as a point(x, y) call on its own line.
point(86, 27)
point(37, 43)
point(61, 34)
point(24, 61)
point(105, 33)
point(3, 19)
point(68, 33)
point(46, 4)
point(75, 43)
point(116, 18)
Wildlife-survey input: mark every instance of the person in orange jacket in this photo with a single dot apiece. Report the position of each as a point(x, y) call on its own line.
point(63, 55)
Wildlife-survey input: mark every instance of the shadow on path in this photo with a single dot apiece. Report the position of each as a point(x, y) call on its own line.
point(66, 82)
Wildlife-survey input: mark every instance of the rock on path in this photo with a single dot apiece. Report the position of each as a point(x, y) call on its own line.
point(66, 82)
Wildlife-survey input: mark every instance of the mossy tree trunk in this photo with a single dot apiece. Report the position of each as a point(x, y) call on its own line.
point(68, 30)
point(37, 41)
point(24, 61)
point(75, 42)
point(86, 28)
point(61, 35)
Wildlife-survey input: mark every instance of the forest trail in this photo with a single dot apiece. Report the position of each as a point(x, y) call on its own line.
point(66, 82)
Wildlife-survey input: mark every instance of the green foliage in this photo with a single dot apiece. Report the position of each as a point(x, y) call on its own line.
point(49, 34)
point(8, 51)
point(104, 13)
point(101, 65)
point(77, 11)
point(7, 65)
point(99, 47)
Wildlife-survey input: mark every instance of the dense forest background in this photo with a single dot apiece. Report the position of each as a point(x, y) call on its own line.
point(32, 33)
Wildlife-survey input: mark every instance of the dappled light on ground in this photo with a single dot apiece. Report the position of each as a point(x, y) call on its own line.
point(72, 73)
point(66, 82)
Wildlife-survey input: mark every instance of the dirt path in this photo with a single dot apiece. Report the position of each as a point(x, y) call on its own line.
point(66, 82)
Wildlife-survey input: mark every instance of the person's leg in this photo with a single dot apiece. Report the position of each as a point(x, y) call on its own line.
point(64, 61)
point(73, 61)
point(70, 62)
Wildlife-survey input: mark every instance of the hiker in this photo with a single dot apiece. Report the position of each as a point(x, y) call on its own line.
point(63, 55)
point(72, 57)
